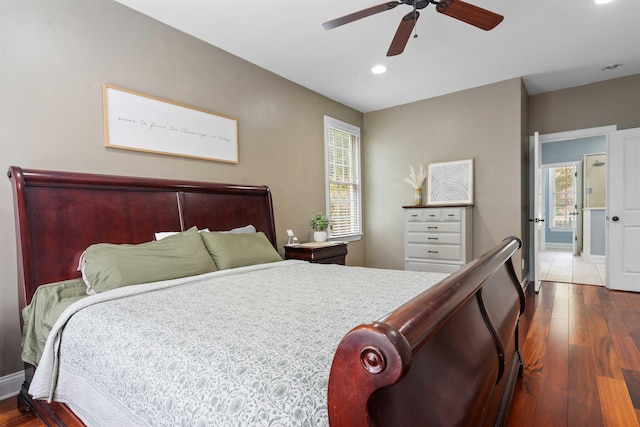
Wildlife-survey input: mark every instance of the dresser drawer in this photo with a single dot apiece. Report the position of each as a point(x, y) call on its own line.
point(414, 215)
point(440, 252)
point(432, 215)
point(433, 227)
point(450, 214)
point(434, 267)
point(435, 238)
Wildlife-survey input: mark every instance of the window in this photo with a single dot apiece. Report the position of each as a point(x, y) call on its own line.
point(562, 197)
point(342, 163)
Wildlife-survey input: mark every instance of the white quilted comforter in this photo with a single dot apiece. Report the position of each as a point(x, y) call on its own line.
point(246, 347)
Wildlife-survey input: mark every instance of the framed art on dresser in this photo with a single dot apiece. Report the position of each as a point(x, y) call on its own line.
point(450, 183)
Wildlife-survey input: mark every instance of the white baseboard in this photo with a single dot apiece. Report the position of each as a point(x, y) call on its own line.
point(10, 385)
point(551, 245)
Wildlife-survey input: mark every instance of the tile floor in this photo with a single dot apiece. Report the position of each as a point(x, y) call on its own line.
point(558, 265)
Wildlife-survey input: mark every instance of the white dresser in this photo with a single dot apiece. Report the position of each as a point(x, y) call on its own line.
point(437, 239)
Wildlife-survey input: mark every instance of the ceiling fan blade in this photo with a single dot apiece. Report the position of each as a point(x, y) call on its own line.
point(359, 15)
point(474, 15)
point(403, 33)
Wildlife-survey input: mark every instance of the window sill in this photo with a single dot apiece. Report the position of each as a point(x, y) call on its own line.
point(348, 238)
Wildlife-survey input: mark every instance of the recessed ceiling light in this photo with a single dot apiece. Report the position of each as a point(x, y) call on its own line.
point(603, 1)
point(611, 67)
point(378, 69)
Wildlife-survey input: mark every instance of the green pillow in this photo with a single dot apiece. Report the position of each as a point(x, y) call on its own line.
point(238, 250)
point(108, 266)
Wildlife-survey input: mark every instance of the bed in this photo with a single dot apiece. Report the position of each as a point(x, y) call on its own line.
point(384, 348)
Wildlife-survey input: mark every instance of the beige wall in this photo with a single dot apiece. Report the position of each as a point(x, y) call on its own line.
point(485, 124)
point(57, 54)
point(55, 57)
point(612, 102)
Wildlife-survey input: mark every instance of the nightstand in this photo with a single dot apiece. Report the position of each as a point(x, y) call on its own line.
point(320, 253)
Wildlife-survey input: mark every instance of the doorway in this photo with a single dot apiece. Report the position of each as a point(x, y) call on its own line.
point(562, 254)
point(560, 265)
point(562, 203)
point(548, 151)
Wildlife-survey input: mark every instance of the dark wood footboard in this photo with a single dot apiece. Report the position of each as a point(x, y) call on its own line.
point(449, 357)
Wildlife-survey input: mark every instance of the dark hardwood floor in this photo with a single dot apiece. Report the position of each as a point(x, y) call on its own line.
point(581, 361)
point(10, 416)
point(581, 358)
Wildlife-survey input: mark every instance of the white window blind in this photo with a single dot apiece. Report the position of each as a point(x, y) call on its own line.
point(342, 154)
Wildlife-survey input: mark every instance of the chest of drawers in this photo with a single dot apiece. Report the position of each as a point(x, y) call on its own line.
point(437, 239)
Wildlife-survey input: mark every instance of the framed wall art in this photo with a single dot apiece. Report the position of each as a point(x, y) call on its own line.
point(135, 121)
point(450, 183)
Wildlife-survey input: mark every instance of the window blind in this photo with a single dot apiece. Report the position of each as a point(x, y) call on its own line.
point(343, 179)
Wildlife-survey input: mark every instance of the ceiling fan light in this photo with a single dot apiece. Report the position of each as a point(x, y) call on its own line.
point(378, 69)
point(603, 1)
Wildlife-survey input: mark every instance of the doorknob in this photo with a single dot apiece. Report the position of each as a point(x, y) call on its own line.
point(615, 218)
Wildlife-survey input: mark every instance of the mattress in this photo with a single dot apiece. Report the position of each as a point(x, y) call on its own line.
point(248, 346)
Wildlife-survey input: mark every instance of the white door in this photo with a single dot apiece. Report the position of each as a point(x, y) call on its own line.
point(623, 210)
point(578, 211)
point(538, 212)
point(535, 191)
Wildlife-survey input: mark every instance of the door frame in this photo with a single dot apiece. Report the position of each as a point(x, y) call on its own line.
point(534, 168)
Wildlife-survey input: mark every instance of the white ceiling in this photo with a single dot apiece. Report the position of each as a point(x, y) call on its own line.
point(552, 44)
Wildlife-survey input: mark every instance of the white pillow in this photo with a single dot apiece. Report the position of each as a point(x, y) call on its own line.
point(241, 230)
point(162, 234)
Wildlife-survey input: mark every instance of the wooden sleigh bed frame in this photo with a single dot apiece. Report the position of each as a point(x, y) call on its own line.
point(448, 357)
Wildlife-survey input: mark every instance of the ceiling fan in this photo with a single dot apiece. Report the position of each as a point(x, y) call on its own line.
point(458, 9)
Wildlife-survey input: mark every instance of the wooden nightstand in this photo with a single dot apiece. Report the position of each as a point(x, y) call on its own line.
point(320, 253)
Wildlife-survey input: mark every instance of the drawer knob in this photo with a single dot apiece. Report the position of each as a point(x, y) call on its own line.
point(433, 252)
point(432, 228)
point(432, 238)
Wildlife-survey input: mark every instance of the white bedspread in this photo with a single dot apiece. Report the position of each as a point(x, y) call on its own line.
point(243, 347)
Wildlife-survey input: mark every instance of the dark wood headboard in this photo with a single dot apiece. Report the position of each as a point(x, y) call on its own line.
point(59, 214)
